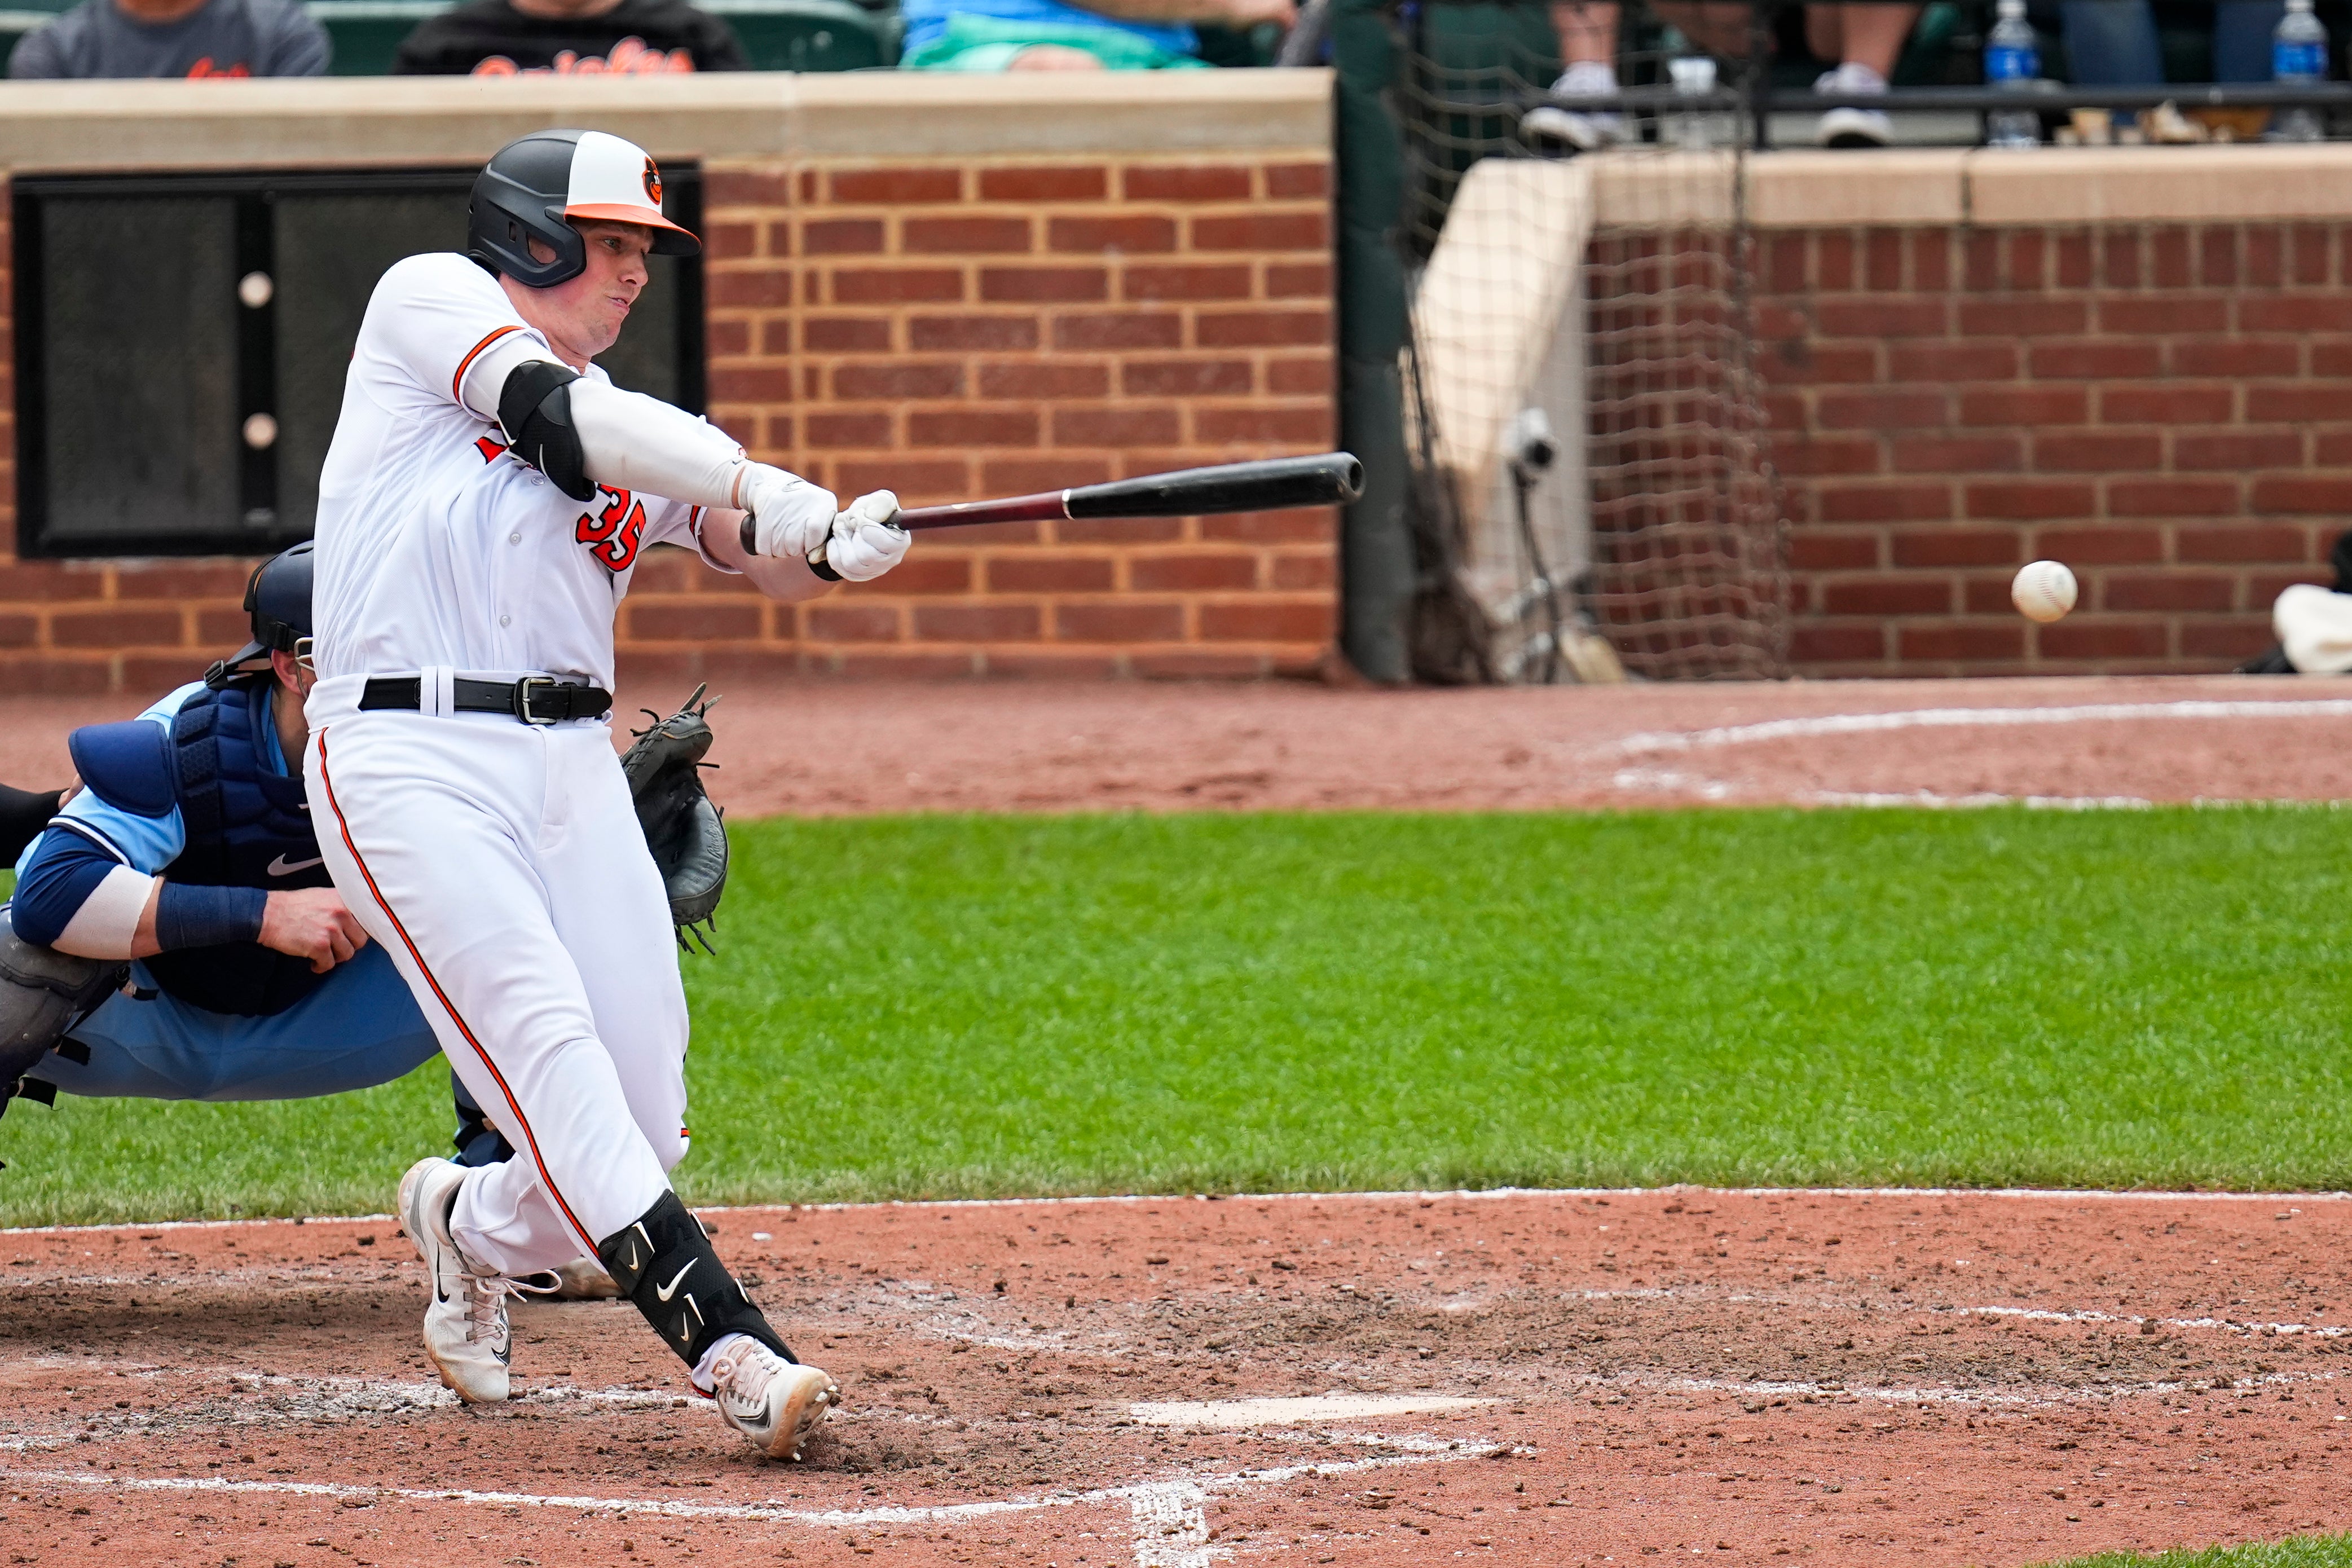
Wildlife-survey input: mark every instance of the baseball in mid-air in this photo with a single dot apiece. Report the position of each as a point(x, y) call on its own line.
point(2044, 591)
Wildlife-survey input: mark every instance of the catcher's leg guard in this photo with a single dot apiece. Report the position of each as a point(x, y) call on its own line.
point(667, 1266)
point(477, 1143)
point(44, 992)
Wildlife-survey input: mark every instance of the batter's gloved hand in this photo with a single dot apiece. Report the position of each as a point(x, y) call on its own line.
point(866, 542)
point(682, 828)
point(785, 514)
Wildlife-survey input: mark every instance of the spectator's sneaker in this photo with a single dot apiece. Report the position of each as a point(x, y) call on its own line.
point(1583, 130)
point(1854, 127)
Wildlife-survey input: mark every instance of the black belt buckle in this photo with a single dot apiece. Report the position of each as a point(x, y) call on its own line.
point(522, 700)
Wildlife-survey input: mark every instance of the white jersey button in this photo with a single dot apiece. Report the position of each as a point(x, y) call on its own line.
point(505, 620)
point(514, 539)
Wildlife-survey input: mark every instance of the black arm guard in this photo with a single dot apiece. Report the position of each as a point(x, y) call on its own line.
point(665, 1264)
point(535, 410)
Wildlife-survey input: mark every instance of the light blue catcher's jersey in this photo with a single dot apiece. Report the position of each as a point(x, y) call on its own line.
point(145, 844)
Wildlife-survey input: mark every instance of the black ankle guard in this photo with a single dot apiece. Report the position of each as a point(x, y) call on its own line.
point(667, 1266)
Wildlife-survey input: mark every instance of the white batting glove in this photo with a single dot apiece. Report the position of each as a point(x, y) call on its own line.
point(788, 515)
point(864, 543)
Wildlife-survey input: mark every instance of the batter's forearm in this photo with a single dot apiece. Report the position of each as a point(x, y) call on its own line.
point(785, 578)
point(633, 442)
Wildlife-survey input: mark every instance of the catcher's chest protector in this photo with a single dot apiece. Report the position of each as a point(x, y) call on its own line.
point(246, 827)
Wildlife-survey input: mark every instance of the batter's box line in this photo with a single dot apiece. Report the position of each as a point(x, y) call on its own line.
point(2038, 1397)
point(1169, 1515)
point(2230, 1325)
point(1817, 1302)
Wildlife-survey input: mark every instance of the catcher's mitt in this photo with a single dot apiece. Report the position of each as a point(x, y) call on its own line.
point(682, 828)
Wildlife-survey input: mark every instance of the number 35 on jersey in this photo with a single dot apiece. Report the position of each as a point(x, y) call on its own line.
point(611, 532)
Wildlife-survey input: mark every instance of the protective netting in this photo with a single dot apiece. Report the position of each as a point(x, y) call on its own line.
point(1602, 300)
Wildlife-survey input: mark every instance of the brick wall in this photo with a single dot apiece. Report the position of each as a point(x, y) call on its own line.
point(946, 329)
point(2166, 408)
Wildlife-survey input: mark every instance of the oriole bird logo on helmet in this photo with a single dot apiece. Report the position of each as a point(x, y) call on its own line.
point(537, 187)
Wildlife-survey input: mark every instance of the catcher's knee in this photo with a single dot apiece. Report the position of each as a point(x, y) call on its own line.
point(44, 993)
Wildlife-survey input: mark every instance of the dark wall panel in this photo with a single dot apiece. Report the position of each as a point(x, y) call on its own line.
point(139, 429)
point(139, 364)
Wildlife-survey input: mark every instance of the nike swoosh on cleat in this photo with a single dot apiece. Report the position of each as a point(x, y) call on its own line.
point(282, 867)
point(663, 1292)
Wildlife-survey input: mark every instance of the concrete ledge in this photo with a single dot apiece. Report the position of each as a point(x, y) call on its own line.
point(120, 125)
point(1901, 187)
point(2070, 185)
point(2052, 187)
point(1955, 187)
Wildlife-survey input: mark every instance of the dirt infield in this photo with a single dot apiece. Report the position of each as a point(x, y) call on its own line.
point(1526, 1378)
point(1168, 1383)
point(836, 747)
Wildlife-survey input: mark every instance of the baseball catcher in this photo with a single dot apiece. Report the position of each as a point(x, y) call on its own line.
point(173, 934)
point(194, 793)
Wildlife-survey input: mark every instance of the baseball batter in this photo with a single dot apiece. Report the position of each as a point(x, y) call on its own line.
point(488, 495)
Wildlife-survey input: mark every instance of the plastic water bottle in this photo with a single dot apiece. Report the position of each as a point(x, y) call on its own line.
point(1693, 130)
point(2012, 61)
point(2298, 56)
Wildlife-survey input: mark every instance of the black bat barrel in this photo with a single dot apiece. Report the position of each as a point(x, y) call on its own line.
point(1273, 485)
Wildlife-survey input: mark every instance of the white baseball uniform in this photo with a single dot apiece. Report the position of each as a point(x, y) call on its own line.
point(499, 863)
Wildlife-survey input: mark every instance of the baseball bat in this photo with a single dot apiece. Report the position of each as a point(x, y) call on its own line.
point(1271, 484)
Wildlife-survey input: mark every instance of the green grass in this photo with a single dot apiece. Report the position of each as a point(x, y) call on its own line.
point(954, 1005)
point(2297, 1552)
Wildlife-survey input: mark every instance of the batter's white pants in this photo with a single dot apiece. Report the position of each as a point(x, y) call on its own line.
point(501, 866)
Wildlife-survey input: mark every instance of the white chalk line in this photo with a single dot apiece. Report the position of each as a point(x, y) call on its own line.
point(1246, 1415)
point(1419, 1451)
point(1970, 718)
point(1940, 1394)
point(2230, 1325)
point(1930, 800)
point(1080, 1200)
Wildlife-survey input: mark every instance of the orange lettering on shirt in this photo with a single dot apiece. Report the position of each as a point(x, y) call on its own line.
point(631, 57)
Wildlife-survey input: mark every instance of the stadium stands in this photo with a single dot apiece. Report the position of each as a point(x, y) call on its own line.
point(779, 34)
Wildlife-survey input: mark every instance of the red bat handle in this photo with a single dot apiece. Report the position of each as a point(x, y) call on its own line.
point(1049, 505)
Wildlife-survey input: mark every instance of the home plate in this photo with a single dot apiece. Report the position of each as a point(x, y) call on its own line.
point(1280, 1412)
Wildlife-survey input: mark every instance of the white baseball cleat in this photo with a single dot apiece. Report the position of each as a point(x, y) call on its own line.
point(775, 1403)
point(466, 1335)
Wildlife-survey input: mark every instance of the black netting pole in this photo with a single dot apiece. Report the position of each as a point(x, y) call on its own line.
point(1376, 556)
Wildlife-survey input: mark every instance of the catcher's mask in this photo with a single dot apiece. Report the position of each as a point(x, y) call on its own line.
point(277, 597)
